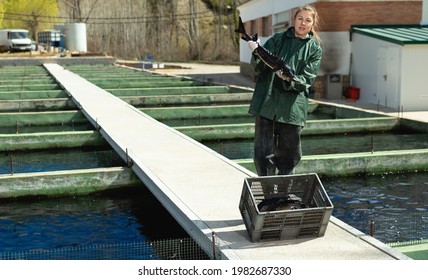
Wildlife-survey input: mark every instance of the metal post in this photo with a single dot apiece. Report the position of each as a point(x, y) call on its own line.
point(214, 247)
point(97, 126)
point(372, 227)
point(128, 159)
point(11, 164)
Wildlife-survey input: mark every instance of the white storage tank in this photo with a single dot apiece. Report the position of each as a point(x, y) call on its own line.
point(75, 37)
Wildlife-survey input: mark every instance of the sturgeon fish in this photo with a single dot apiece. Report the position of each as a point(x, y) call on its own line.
point(270, 59)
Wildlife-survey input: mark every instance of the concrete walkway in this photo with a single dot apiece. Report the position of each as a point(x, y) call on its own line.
point(199, 187)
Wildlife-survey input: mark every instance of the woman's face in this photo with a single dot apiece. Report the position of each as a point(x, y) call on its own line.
point(303, 23)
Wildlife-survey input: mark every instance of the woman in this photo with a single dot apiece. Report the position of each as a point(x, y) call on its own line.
point(279, 103)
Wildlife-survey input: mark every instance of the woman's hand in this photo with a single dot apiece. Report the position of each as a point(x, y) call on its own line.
point(280, 74)
point(253, 45)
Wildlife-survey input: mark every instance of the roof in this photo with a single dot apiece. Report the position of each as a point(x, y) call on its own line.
point(14, 29)
point(397, 34)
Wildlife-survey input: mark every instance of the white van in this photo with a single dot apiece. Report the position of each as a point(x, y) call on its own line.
point(14, 40)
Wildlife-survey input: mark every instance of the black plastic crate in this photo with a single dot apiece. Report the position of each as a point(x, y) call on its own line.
point(304, 207)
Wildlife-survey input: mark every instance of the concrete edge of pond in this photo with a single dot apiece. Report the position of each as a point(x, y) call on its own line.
point(66, 183)
point(370, 240)
point(357, 163)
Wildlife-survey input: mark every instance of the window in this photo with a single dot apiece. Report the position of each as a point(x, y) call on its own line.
point(19, 35)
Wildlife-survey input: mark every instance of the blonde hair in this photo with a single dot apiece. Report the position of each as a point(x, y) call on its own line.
point(315, 16)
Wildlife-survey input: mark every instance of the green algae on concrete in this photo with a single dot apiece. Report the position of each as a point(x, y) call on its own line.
point(182, 90)
point(313, 127)
point(66, 183)
point(417, 250)
point(26, 81)
point(120, 80)
point(41, 118)
point(50, 140)
point(28, 87)
point(218, 132)
point(177, 100)
point(33, 94)
point(222, 111)
point(167, 91)
point(367, 163)
point(350, 125)
point(358, 163)
point(146, 84)
point(37, 105)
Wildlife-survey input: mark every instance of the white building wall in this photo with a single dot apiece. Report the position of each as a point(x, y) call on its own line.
point(364, 67)
point(336, 53)
point(414, 84)
point(261, 8)
point(405, 69)
point(244, 50)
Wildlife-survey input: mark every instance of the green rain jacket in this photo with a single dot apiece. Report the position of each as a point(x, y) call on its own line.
point(279, 100)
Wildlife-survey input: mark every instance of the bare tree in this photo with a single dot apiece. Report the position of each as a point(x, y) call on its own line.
point(167, 29)
point(76, 10)
point(193, 31)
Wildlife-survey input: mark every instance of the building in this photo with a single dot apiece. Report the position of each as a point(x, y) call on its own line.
point(266, 17)
point(388, 65)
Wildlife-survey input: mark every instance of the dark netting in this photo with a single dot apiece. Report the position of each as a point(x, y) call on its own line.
point(410, 228)
point(171, 249)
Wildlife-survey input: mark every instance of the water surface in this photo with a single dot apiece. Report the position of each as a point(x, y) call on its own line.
point(396, 203)
point(122, 216)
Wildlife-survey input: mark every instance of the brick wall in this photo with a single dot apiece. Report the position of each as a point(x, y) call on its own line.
point(262, 26)
point(339, 16)
point(267, 26)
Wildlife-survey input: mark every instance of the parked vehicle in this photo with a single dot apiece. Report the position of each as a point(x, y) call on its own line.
point(14, 40)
